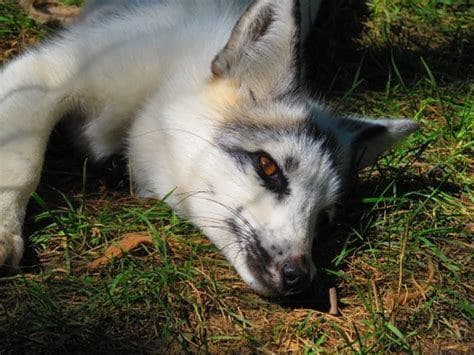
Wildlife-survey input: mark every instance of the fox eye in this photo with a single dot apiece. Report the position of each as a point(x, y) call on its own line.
point(267, 166)
point(270, 173)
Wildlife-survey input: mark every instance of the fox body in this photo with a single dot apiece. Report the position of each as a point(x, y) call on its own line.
point(204, 97)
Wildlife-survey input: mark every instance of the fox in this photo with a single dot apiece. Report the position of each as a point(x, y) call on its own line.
point(206, 100)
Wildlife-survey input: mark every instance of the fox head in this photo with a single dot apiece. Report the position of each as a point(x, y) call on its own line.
point(275, 162)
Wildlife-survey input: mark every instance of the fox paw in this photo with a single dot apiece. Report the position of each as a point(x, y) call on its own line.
point(11, 250)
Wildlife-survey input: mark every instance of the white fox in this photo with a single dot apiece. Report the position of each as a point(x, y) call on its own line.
point(204, 96)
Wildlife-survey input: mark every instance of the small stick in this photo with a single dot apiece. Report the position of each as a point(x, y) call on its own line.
point(333, 302)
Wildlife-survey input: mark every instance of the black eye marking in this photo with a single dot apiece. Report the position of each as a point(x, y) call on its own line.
point(240, 156)
point(267, 169)
point(272, 176)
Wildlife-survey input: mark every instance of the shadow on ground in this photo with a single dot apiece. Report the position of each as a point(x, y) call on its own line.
point(340, 48)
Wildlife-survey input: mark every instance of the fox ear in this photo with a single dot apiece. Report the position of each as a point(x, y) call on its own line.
point(262, 53)
point(364, 140)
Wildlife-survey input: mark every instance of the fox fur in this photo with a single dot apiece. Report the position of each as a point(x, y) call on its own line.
point(205, 99)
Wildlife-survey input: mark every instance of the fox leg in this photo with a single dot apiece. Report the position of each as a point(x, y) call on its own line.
point(32, 100)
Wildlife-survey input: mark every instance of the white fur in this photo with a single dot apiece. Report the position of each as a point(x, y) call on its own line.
point(141, 78)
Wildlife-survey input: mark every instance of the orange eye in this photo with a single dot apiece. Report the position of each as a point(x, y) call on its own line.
point(268, 166)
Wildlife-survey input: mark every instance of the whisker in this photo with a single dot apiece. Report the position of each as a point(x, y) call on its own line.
point(230, 209)
point(224, 227)
point(180, 130)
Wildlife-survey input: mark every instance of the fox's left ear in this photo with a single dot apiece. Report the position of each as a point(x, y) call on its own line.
point(364, 140)
point(262, 53)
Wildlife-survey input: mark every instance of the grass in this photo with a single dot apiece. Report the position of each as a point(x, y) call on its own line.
point(17, 31)
point(401, 259)
point(72, 2)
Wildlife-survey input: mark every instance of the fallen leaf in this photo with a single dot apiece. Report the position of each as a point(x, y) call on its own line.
point(127, 243)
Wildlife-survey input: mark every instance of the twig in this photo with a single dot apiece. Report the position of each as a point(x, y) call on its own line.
point(333, 302)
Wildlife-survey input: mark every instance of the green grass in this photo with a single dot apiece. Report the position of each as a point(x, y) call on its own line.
point(17, 31)
point(408, 227)
point(13, 22)
point(72, 2)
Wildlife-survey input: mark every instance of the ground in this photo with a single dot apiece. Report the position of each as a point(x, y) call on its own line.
point(401, 258)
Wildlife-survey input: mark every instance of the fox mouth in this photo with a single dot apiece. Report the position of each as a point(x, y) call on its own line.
point(268, 276)
point(257, 259)
point(265, 272)
point(259, 263)
point(263, 275)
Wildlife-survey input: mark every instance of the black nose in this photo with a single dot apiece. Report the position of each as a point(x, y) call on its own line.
point(295, 276)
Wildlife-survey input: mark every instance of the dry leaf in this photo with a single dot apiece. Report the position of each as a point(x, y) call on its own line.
point(127, 243)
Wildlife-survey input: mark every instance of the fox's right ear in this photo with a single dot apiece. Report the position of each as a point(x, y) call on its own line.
point(262, 53)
